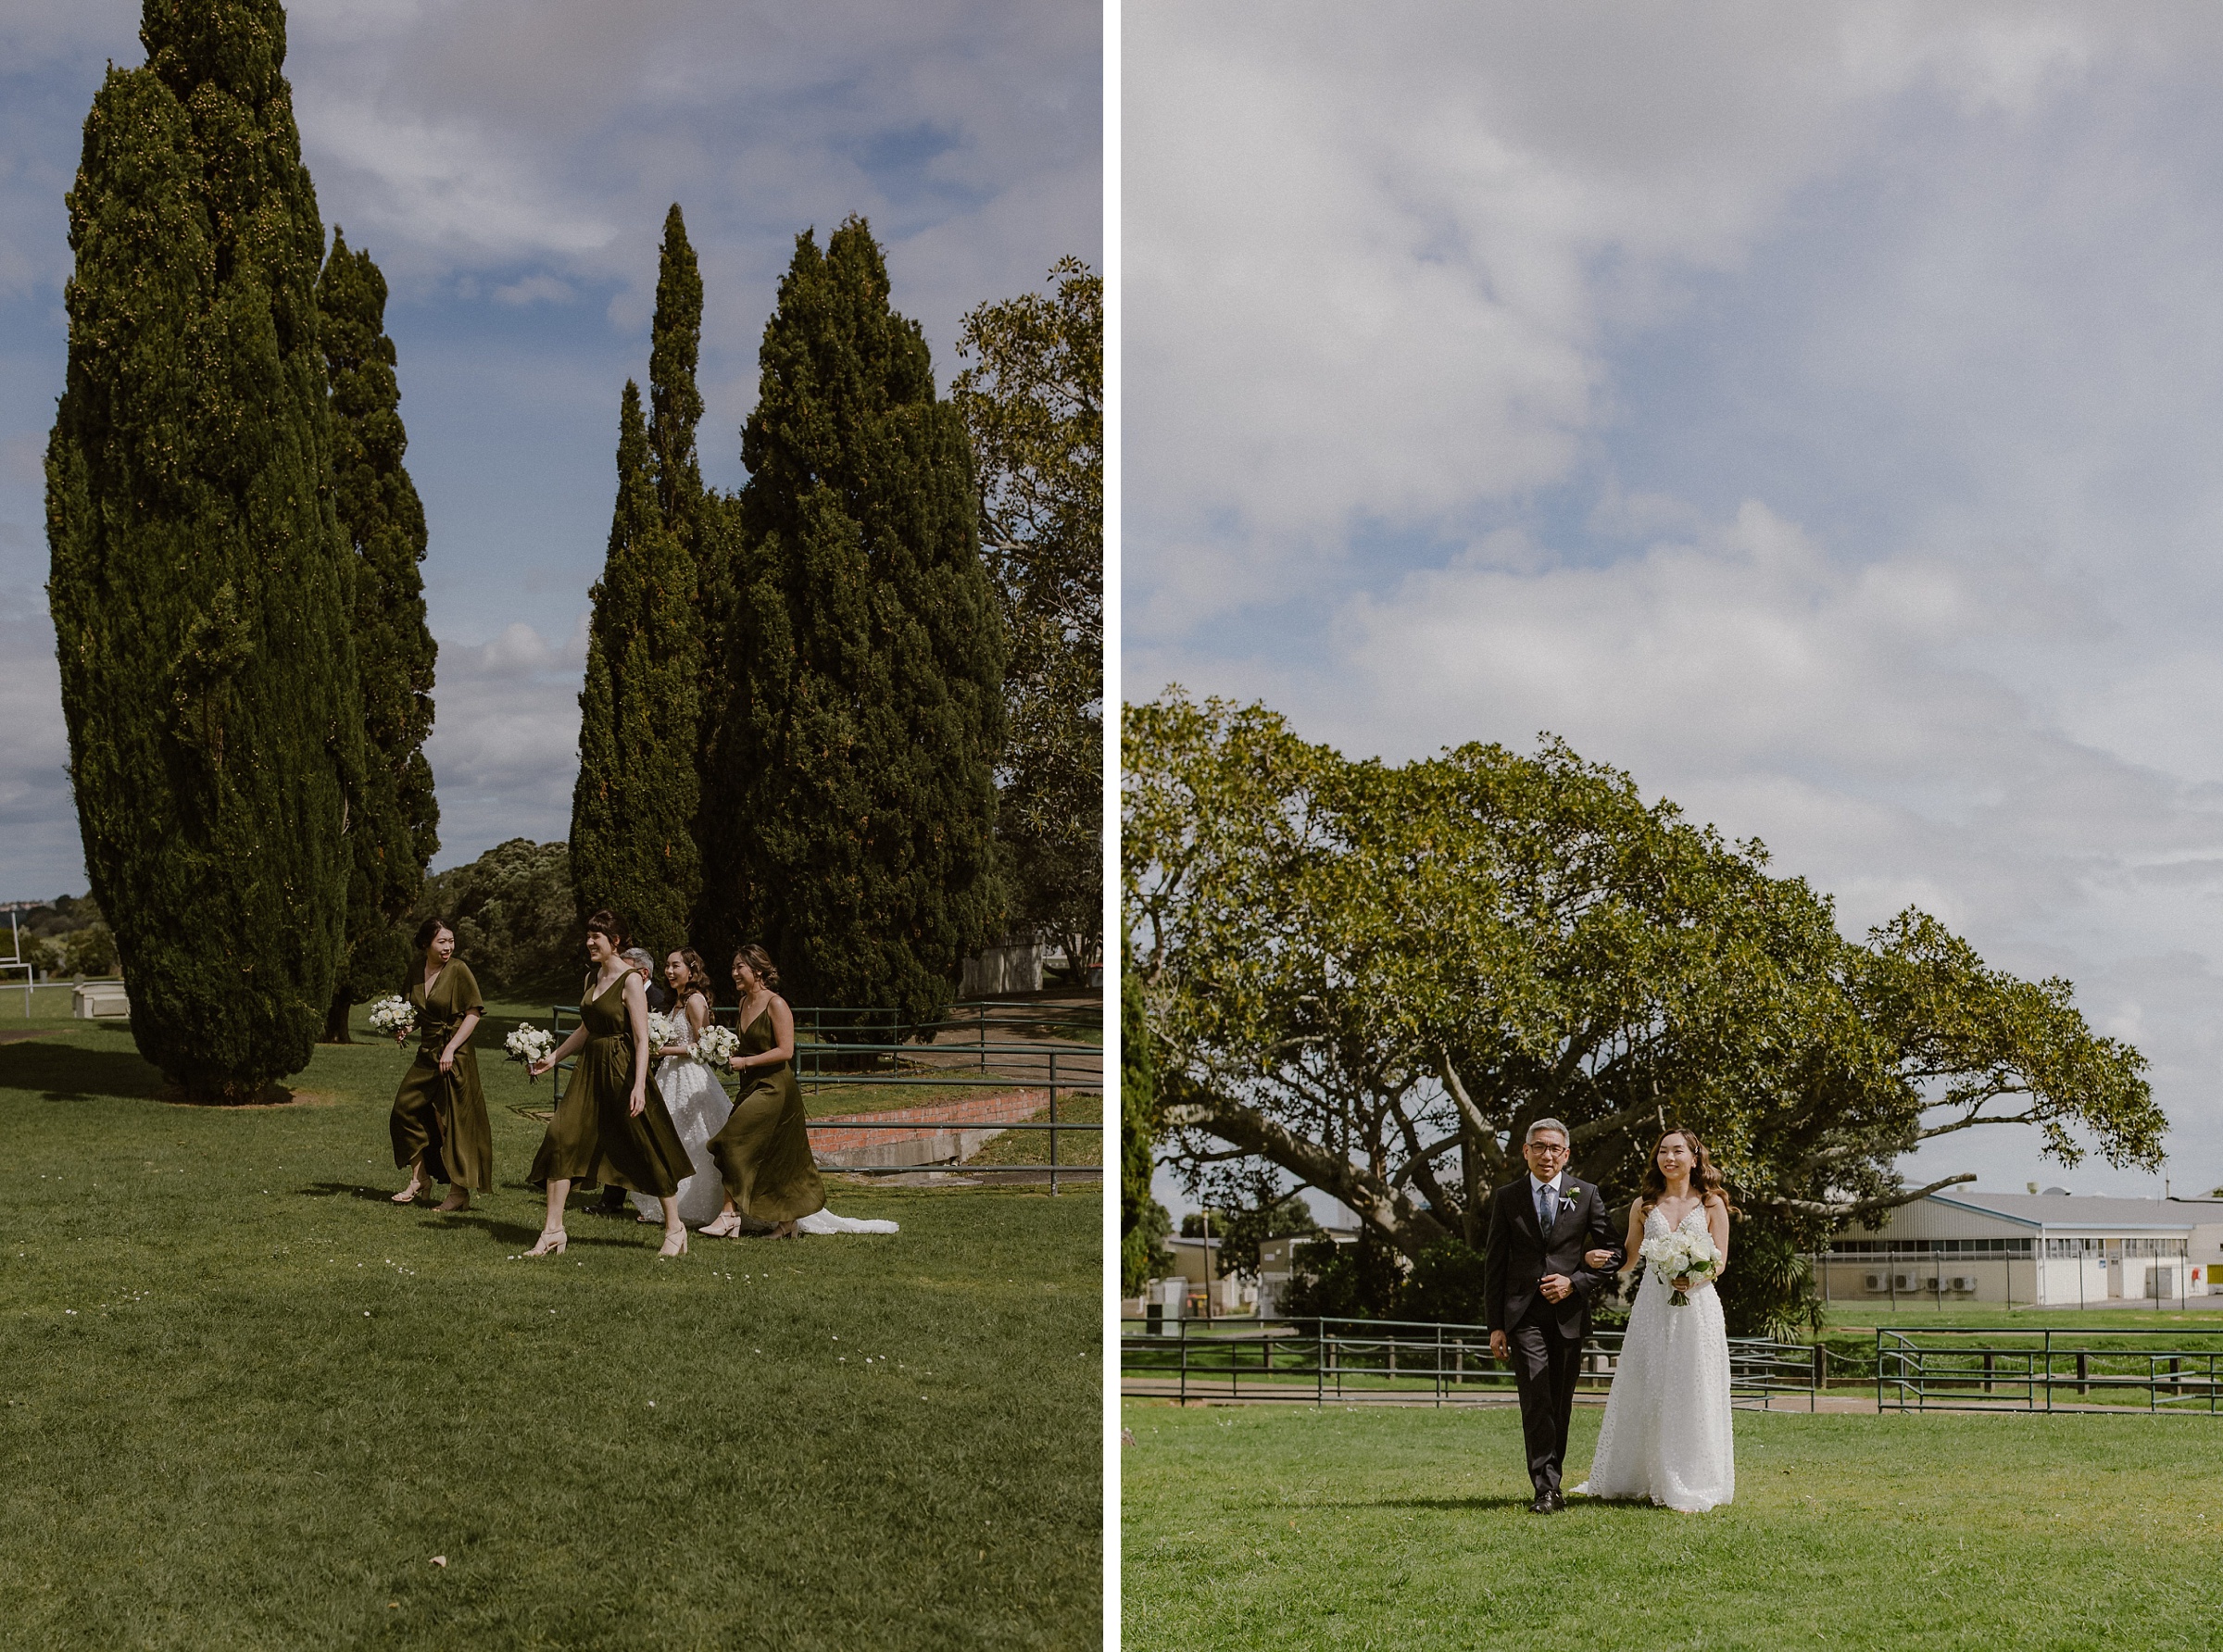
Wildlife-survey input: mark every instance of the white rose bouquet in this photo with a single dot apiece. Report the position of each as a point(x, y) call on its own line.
point(395, 1014)
point(664, 1030)
point(528, 1044)
point(1681, 1255)
point(717, 1045)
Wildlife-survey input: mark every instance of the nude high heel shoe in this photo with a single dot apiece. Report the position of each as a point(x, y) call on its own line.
point(676, 1236)
point(552, 1240)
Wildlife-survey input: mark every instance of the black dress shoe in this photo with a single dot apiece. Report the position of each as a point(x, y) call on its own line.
point(1558, 1501)
point(1543, 1504)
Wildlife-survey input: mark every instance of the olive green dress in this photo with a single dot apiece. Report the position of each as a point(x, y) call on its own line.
point(595, 1136)
point(763, 1154)
point(442, 1115)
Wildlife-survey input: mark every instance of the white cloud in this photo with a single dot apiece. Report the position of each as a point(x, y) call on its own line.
point(1807, 408)
point(505, 744)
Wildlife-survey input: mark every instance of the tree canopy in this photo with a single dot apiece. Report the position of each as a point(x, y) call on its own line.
point(200, 582)
point(1032, 399)
point(1371, 977)
point(394, 816)
point(851, 827)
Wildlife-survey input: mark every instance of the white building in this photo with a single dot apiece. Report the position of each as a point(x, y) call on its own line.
point(2052, 1248)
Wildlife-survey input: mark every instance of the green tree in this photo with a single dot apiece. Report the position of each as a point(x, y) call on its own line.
point(633, 805)
point(853, 824)
point(516, 923)
point(200, 582)
point(1143, 1222)
point(1034, 404)
point(394, 825)
point(1373, 977)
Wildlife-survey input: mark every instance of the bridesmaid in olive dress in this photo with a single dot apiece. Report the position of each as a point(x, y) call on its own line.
point(611, 1123)
point(763, 1153)
point(439, 1120)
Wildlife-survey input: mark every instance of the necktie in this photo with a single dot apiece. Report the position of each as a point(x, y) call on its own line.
point(1551, 1205)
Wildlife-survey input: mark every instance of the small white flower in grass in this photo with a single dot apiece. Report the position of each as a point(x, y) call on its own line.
point(440, 1561)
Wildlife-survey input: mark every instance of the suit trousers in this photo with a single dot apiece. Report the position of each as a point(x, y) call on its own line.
point(1546, 1363)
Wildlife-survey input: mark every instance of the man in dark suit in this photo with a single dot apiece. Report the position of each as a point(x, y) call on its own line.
point(1537, 1289)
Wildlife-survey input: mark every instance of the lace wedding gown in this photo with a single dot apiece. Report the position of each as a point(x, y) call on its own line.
point(1666, 1434)
point(699, 1107)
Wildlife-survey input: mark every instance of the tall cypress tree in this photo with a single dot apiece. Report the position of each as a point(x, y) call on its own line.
point(856, 801)
point(634, 805)
point(393, 826)
point(199, 578)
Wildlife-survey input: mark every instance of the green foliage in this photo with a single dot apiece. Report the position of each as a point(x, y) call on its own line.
point(633, 805)
point(394, 818)
point(1345, 1281)
point(517, 924)
point(1768, 1289)
point(1033, 403)
point(1139, 1252)
point(1373, 978)
point(200, 584)
point(850, 811)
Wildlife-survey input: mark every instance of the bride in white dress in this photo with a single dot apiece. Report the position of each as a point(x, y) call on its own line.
point(692, 1094)
point(1666, 1434)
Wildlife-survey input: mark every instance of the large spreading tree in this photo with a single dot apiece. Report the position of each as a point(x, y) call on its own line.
point(853, 812)
point(1371, 978)
point(200, 580)
point(394, 817)
point(1032, 399)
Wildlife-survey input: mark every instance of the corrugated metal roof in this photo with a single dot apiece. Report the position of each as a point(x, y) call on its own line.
point(2087, 1210)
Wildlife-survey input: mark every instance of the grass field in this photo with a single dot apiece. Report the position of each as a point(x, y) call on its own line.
point(1286, 1526)
point(248, 1400)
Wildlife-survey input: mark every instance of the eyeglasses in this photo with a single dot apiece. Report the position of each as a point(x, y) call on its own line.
point(1546, 1146)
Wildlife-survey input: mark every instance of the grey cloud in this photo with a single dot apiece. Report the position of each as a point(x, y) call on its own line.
point(504, 744)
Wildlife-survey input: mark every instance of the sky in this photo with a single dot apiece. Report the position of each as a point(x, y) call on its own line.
point(1815, 411)
point(509, 166)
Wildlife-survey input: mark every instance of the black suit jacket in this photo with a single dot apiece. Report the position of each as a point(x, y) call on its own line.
point(1519, 1256)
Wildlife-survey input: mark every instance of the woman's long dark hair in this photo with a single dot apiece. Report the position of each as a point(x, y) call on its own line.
point(1704, 1178)
point(757, 959)
point(699, 976)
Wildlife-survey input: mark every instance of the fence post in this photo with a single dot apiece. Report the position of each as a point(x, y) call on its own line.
point(1184, 1359)
point(1320, 1364)
point(1439, 1367)
point(1053, 1150)
point(1821, 1376)
point(2083, 1371)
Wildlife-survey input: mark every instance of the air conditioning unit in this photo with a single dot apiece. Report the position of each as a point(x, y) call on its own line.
point(1876, 1281)
point(1907, 1282)
point(1963, 1283)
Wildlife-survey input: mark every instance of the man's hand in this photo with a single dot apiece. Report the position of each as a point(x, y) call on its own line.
point(1556, 1287)
point(1598, 1261)
point(1500, 1346)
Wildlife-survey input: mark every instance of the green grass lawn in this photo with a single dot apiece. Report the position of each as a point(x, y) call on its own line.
point(248, 1400)
point(1032, 1147)
point(1289, 1527)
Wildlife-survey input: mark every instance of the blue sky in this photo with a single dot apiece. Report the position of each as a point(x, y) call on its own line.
point(1816, 410)
point(509, 164)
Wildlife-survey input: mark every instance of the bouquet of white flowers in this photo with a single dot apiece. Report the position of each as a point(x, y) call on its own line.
point(528, 1044)
point(395, 1014)
point(717, 1045)
point(1681, 1255)
point(664, 1030)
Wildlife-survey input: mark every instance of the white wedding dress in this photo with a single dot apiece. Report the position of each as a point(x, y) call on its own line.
point(699, 1107)
point(1666, 1434)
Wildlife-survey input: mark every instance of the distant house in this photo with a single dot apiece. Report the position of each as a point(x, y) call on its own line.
point(2054, 1248)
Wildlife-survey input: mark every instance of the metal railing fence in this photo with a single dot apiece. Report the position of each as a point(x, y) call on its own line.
point(2048, 1370)
point(1394, 1362)
point(832, 1066)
